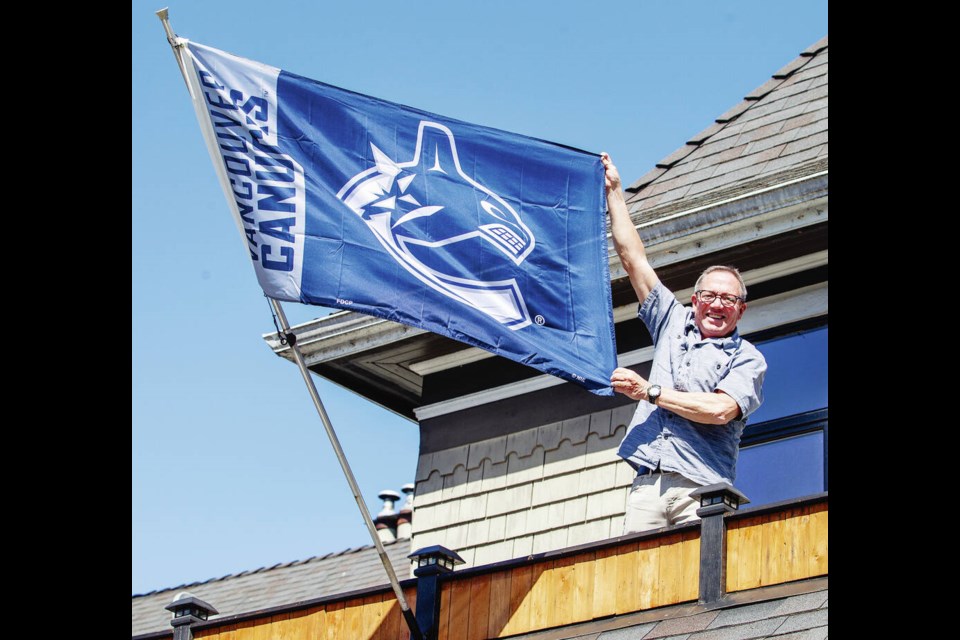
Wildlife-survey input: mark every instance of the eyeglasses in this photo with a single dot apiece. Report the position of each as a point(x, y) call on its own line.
point(726, 299)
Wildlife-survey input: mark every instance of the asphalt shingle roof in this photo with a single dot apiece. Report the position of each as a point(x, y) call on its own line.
point(778, 129)
point(282, 584)
point(792, 611)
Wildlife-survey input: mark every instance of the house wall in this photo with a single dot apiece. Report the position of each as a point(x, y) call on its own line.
point(537, 489)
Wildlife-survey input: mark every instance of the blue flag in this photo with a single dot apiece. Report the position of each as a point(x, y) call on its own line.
point(487, 237)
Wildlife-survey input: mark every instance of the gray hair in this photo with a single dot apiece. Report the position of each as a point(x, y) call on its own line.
point(733, 270)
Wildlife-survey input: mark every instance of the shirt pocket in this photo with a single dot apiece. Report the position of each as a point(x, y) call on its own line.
point(709, 368)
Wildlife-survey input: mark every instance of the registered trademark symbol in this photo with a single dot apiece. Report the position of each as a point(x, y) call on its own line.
point(539, 320)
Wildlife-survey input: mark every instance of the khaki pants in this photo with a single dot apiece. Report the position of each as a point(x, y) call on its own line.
point(658, 500)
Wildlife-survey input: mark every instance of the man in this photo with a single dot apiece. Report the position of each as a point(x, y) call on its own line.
point(704, 381)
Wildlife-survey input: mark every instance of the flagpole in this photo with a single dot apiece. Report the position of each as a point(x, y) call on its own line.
point(172, 39)
point(291, 338)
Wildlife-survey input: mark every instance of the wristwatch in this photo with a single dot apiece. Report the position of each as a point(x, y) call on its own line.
point(653, 393)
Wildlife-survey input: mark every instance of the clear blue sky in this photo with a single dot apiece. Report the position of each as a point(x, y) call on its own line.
point(231, 468)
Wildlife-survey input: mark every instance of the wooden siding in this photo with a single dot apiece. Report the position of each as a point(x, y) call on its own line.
point(571, 589)
point(773, 547)
point(374, 617)
point(777, 547)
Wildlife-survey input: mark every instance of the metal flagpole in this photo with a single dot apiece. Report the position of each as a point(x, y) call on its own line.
point(171, 38)
point(291, 338)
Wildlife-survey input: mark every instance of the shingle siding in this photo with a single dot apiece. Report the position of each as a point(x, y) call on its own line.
point(542, 488)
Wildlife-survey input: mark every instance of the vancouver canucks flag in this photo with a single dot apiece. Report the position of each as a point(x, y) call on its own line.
point(487, 237)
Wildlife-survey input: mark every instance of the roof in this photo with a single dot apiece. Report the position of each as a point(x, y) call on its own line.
point(777, 131)
point(281, 584)
point(791, 611)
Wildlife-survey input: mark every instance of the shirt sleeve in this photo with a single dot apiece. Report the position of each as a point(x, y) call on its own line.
point(657, 308)
point(744, 380)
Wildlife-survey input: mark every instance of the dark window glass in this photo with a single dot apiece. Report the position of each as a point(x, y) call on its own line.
point(796, 379)
point(781, 469)
point(783, 450)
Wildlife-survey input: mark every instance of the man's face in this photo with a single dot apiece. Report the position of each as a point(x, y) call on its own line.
point(715, 319)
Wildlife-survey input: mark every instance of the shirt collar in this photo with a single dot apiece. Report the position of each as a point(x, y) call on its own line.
point(727, 343)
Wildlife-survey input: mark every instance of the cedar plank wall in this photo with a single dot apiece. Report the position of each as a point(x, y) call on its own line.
point(777, 547)
point(375, 617)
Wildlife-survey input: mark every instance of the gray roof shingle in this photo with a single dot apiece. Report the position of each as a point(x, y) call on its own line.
point(779, 127)
point(797, 616)
point(789, 611)
point(764, 628)
point(683, 625)
point(281, 584)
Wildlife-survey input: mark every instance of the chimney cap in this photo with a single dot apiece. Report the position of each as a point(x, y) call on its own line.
point(388, 494)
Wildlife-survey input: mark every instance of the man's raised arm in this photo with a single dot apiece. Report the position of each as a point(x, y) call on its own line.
point(626, 240)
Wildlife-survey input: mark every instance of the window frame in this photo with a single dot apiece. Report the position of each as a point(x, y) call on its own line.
point(799, 423)
point(789, 426)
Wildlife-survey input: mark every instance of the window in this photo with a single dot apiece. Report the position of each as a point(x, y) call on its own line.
point(783, 451)
point(796, 379)
point(783, 459)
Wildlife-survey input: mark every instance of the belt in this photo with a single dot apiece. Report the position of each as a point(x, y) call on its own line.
point(644, 470)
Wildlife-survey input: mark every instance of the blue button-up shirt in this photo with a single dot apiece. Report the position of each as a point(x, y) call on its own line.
point(686, 361)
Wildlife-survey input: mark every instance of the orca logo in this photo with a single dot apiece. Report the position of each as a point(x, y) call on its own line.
point(416, 210)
